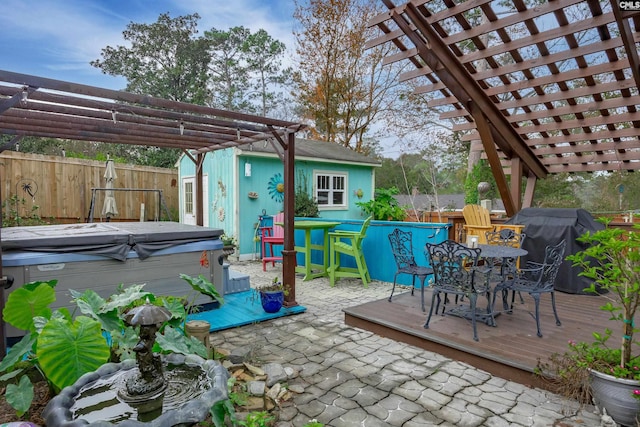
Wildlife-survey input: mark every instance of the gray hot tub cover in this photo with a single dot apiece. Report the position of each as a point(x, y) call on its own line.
point(113, 240)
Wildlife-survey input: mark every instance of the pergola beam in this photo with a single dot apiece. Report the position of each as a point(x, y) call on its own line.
point(37, 106)
point(627, 38)
point(485, 131)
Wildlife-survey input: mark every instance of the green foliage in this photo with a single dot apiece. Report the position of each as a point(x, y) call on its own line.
point(305, 205)
point(67, 350)
point(258, 419)
point(164, 59)
point(204, 286)
point(384, 206)
point(481, 172)
point(28, 302)
point(174, 341)
point(19, 214)
point(63, 349)
point(20, 396)
point(559, 191)
point(158, 157)
point(612, 260)
point(246, 70)
point(220, 410)
point(228, 240)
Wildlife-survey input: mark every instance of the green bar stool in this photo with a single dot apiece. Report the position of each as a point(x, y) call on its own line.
point(348, 243)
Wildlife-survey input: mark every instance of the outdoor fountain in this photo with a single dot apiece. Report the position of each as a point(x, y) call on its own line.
point(154, 391)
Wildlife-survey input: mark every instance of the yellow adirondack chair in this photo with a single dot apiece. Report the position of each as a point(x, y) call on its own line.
point(478, 223)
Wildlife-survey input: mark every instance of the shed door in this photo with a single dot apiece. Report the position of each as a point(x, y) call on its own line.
point(189, 198)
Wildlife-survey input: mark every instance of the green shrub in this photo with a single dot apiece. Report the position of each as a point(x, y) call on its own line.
point(384, 207)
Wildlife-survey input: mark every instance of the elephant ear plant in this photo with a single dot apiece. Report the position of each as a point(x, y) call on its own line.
point(61, 348)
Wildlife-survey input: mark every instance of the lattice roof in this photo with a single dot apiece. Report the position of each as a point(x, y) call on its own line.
point(553, 86)
point(36, 106)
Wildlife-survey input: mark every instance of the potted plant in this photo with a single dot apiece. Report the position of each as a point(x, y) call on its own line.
point(228, 245)
point(271, 295)
point(611, 371)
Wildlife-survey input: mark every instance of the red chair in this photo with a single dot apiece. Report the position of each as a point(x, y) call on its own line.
point(270, 237)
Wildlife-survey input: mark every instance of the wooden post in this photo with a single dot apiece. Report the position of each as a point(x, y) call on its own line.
point(289, 253)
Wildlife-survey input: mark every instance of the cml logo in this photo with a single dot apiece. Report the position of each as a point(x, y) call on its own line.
point(629, 5)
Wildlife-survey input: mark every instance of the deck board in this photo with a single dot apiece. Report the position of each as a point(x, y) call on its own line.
point(241, 309)
point(511, 349)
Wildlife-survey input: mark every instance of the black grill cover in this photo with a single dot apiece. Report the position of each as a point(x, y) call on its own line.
point(549, 226)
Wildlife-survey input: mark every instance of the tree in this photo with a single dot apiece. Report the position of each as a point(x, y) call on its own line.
point(559, 191)
point(229, 70)
point(246, 70)
point(438, 167)
point(164, 60)
point(264, 58)
point(341, 87)
point(481, 172)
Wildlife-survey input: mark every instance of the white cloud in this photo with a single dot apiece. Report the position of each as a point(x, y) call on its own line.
point(63, 36)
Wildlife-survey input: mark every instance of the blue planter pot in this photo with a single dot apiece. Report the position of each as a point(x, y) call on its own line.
point(272, 301)
point(616, 396)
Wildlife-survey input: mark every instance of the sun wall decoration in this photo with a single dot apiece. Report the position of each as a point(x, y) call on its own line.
point(276, 187)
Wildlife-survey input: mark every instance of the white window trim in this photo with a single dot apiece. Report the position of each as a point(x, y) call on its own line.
point(345, 199)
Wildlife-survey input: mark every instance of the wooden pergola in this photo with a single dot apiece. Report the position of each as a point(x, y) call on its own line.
point(41, 107)
point(547, 89)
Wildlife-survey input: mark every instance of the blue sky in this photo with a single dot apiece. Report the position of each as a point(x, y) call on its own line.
point(58, 38)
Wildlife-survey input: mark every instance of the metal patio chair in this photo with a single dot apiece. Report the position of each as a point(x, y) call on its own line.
point(536, 279)
point(505, 237)
point(454, 272)
point(402, 249)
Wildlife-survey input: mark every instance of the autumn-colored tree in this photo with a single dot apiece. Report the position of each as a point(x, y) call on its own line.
point(341, 86)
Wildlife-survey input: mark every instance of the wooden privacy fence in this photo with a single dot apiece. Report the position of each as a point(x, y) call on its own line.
point(61, 188)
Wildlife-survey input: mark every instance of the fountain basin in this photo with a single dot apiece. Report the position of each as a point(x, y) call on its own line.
point(194, 385)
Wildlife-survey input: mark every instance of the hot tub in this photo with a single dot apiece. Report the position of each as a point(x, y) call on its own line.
point(100, 256)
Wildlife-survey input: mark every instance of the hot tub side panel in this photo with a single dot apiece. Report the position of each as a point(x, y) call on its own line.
point(160, 272)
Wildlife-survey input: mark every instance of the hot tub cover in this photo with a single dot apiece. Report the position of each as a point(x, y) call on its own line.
point(113, 240)
point(544, 227)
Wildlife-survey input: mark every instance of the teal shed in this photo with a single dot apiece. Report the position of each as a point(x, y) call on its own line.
point(243, 183)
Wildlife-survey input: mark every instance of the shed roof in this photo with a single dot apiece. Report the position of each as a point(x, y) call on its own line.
point(316, 150)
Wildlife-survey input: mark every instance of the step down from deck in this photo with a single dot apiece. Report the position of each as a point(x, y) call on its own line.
point(233, 281)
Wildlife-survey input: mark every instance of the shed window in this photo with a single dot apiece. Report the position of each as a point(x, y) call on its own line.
point(331, 188)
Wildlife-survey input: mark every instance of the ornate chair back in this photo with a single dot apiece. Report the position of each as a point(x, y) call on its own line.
point(402, 249)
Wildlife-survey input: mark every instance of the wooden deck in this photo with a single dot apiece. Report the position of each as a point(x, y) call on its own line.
point(510, 350)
